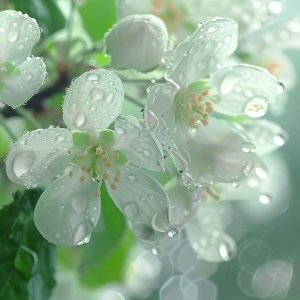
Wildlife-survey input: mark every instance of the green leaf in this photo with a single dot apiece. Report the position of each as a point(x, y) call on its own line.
point(27, 260)
point(46, 13)
point(98, 16)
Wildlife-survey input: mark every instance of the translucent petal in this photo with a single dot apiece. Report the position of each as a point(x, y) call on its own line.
point(137, 144)
point(266, 135)
point(142, 200)
point(205, 232)
point(18, 34)
point(24, 82)
point(208, 45)
point(93, 101)
point(39, 156)
point(216, 152)
point(68, 210)
point(184, 203)
point(244, 89)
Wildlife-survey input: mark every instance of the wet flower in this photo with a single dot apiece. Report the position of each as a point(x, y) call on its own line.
point(21, 75)
point(85, 154)
point(137, 42)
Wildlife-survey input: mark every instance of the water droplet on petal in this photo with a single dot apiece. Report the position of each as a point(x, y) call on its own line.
point(97, 94)
point(82, 232)
point(279, 139)
point(141, 230)
point(264, 199)
point(280, 87)
point(79, 119)
point(58, 235)
point(156, 250)
point(120, 130)
point(132, 178)
point(79, 203)
point(248, 147)
point(160, 221)
point(131, 210)
point(147, 153)
point(109, 97)
point(172, 233)
point(85, 240)
point(13, 34)
point(23, 163)
point(257, 107)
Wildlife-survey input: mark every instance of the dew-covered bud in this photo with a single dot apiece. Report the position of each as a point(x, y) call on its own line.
point(137, 42)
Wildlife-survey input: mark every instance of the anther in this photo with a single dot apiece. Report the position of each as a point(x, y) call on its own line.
point(195, 101)
point(69, 151)
point(188, 107)
point(97, 193)
point(105, 159)
point(116, 156)
point(99, 151)
point(83, 168)
point(204, 121)
point(85, 155)
point(192, 121)
point(108, 164)
point(79, 156)
point(118, 173)
point(82, 178)
point(117, 178)
point(205, 93)
point(105, 176)
point(71, 173)
point(113, 186)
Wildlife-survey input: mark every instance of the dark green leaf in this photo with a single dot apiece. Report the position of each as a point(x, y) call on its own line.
point(27, 260)
point(98, 16)
point(46, 13)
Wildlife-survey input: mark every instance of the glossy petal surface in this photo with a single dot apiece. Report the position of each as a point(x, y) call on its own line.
point(18, 34)
point(68, 210)
point(216, 152)
point(142, 201)
point(93, 101)
point(24, 82)
point(136, 143)
point(204, 50)
point(244, 89)
point(39, 156)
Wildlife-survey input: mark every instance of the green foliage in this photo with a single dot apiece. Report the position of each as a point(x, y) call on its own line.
point(26, 259)
point(46, 13)
point(98, 16)
point(103, 259)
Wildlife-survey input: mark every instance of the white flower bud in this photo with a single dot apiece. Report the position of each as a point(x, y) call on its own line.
point(137, 42)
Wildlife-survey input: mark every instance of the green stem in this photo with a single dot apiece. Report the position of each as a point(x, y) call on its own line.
point(28, 116)
point(6, 128)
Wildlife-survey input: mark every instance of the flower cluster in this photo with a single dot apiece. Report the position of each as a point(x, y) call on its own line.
point(202, 119)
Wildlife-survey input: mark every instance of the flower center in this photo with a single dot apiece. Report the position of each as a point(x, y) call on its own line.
point(196, 104)
point(98, 159)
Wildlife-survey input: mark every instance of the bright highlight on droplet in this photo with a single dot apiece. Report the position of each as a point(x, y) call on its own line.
point(264, 199)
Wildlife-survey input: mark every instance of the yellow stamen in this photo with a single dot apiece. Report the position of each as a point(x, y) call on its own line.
point(108, 164)
point(105, 176)
point(83, 168)
point(99, 151)
point(116, 156)
point(97, 193)
point(117, 179)
point(113, 186)
point(82, 178)
point(105, 159)
point(188, 107)
point(71, 173)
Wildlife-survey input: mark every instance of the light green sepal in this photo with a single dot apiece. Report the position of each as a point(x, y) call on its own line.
point(198, 86)
point(106, 136)
point(82, 138)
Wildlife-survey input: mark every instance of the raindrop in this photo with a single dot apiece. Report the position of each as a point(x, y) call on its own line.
point(132, 178)
point(60, 138)
point(13, 34)
point(235, 184)
point(23, 163)
point(181, 76)
point(143, 199)
point(280, 87)
point(97, 94)
point(173, 233)
point(264, 199)
point(147, 153)
point(141, 230)
point(152, 197)
point(248, 93)
point(131, 210)
point(279, 139)
point(160, 221)
point(85, 240)
point(120, 130)
point(79, 119)
point(248, 147)
point(93, 107)
point(79, 203)
point(109, 97)
point(212, 28)
point(82, 232)
point(58, 235)
point(256, 107)
point(156, 250)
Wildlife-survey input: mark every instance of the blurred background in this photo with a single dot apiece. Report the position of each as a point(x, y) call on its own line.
point(113, 265)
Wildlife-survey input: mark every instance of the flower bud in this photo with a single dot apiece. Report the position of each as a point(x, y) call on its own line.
point(137, 42)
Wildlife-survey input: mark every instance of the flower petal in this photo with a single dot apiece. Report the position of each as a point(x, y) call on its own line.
point(68, 210)
point(216, 152)
point(136, 143)
point(93, 101)
point(24, 82)
point(39, 156)
point(208, 45)
point(18, 34)
point(205, 232)
point(266, 135)
point(143, 202)
point(244, 89)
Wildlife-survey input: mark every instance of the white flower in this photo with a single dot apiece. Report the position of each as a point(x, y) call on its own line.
point(137, 42)
point(69, 208)
point(20, 74)
point(181, 16)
